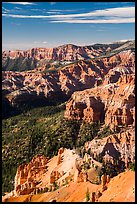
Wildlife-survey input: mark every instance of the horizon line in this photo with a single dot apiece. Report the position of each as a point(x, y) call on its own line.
point(66, 44)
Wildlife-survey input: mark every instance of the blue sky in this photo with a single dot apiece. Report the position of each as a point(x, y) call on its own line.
point(49, 24)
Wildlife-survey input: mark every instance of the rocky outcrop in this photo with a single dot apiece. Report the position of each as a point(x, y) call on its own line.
point(121, 188)
point(103, 182)
point(112, 104)
point(65, 52)
point(22, 85)
point(68, 52)
point(98, 194)
point(80, 176)
point(31, 186)
point(105, 179)
point(55, 175)
point(81, 75)
point(93, 197)
point(109, 98)
point(60, 151)
point(85, 169)
point(117, 147)
point(42, 174)
point(27, 175)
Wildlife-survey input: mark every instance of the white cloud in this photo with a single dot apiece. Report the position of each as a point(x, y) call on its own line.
point(24, 16)
point(56, 10)
point(21, 3)
point(35, 9)
point(125, 40)
point(64, 10)
point(44, 42)
point(112, 15)
point(17, 8)
point(5, 10)
point(117, 20)
point(53, 12)
point(118, 12)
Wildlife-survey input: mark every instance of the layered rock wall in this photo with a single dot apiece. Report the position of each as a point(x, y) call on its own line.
point(66, 52)
point(27, 175)
point(112, 104)
point(116, 147)
point(81, 75)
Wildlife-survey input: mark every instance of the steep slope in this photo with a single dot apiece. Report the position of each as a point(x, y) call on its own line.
point(113, 104)
point(68, 169)
point(20, 60)
point(120, 189)
point(100, 111)
point(115, 147)
point(65, 52)
point(74, 192)
point(126, 46)
point(78, 76)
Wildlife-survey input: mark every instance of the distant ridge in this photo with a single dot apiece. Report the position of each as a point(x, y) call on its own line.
point(20, 60)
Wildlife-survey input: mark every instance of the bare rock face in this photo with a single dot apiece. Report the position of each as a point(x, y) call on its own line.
point(65, 52)
point(108, 179)
point(27, 175)
point(22, 85)
point(108, 97)
point(103, 179)
point(85, 169)
point(42, 173)
point(116, 72)
point(98, 194)
point(118, 146)
point(80, 176)
point(121, 64)
point(60, 151)
point(113, 103)
point(122, 112)
point(84, 74)
point(54, 176)
point(93, 197)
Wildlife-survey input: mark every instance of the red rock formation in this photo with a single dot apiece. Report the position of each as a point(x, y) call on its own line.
point(65, 52)
point(80, 176)
point(108, 179)
point(113, 103)
point(81, 75)
point(93, 197)
point(60, 151)
point(119, 146)
point(26, 176)
point(98, 194)
point(54, 176)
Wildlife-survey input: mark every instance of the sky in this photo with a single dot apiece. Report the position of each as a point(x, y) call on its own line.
point(26, 25)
